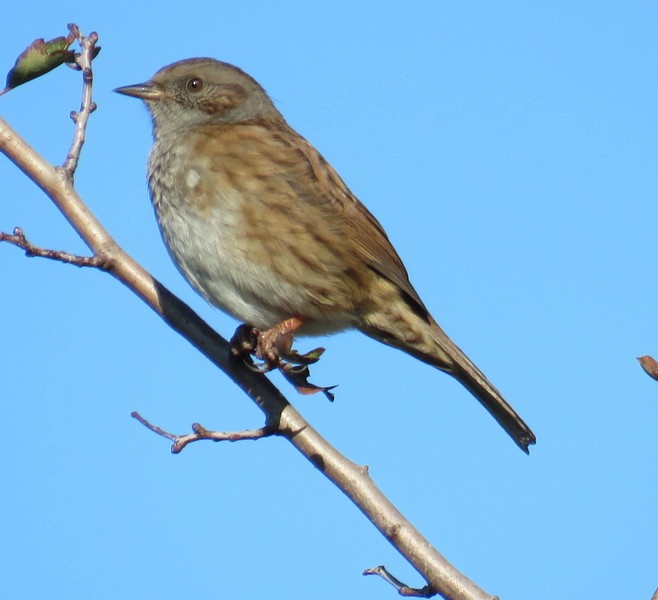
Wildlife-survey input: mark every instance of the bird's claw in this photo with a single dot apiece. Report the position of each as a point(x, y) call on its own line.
point(261, 367)
point(295, 358)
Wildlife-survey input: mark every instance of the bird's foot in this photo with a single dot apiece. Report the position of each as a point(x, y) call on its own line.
point(244, 340)
point(245, 343)
point(273, 347)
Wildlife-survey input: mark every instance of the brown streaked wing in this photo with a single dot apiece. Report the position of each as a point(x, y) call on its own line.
point(367, 235)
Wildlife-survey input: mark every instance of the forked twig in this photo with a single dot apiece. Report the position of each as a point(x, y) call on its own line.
point(201, 433)
point(83, 61)
point(18, 239)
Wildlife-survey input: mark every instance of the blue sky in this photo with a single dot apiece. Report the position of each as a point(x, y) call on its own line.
point(509, 149)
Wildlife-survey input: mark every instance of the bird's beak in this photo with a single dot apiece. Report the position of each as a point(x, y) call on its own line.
point(145, 91)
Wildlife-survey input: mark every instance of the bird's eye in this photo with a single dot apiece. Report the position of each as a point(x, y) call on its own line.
point(194, 85)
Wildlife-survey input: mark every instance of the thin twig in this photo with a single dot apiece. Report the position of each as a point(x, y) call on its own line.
point(83, 61)
point(201, 433)
point(403, 589)
point(18, 239)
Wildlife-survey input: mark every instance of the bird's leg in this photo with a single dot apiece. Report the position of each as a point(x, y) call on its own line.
point(273, 346)
point(275, 343)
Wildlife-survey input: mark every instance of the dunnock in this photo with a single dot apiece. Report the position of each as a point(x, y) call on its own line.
point(263, 227)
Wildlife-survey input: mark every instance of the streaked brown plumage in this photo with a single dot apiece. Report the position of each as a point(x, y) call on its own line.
point(264, 228)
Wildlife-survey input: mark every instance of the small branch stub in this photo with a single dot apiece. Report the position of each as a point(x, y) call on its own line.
point(402, 589)
point(201, 433)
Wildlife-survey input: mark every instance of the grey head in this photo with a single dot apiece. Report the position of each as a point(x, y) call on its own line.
point(200, 91)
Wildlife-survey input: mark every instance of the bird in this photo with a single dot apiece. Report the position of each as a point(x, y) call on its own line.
point(264, 228)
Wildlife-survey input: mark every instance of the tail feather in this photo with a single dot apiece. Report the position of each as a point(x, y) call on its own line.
point(452, 360)
point(419, 335)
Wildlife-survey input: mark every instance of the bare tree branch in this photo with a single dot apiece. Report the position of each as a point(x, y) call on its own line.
point(281, 417)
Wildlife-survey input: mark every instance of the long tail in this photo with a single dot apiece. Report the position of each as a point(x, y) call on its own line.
point(452, 360)
point(428, 342)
